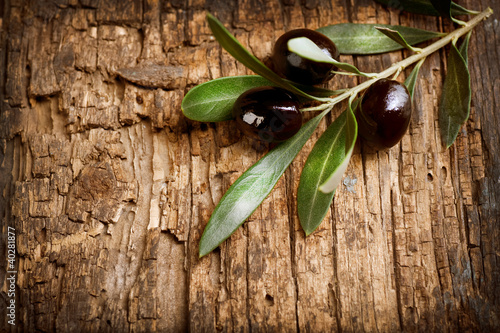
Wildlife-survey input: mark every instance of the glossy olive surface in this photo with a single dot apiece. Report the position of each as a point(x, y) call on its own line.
point(268, 114)
point(384, 113)
point(295, 68)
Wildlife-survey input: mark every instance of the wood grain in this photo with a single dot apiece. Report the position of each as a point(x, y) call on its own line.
point(109, 187)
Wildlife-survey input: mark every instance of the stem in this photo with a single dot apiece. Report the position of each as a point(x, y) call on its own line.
point(344, 73)
point(320, 107)
point(413, 58)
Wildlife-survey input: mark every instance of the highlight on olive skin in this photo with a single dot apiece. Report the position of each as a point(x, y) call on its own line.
point(295, 68)
point(268, 114)
point(384, 113)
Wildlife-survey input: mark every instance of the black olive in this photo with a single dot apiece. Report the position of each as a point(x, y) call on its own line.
point(384, 113)
point(268, 114)
point(295, 68)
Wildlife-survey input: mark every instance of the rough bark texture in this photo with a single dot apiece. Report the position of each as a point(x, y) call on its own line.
point(109, 187)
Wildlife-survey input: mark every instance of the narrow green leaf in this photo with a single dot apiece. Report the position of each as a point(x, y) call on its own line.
point(327, 154)
point(306, 48)
point(359, 38)
point(231, 45)
point(444, 9)
point(411, 80)
point(455, 100)
point(459, 10)
point(397, 37)
point(464, 48)
point(351, 133)
point(424, 7)
point(252, 187)
point(324, 168)
point(213, 101)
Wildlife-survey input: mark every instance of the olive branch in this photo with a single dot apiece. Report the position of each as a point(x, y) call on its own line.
point(213, 101)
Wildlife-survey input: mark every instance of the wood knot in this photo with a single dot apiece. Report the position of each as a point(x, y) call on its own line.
point(96, 182)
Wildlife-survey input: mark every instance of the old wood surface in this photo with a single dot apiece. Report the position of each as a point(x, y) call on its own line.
point(109, 187)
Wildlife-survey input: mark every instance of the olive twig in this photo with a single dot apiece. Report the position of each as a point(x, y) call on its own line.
point(411, 59)
point(320, 107)
point(354, 74)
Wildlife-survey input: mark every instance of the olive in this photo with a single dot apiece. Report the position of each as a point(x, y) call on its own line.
point(268, 114)
point(384, 113)
point(295, 68)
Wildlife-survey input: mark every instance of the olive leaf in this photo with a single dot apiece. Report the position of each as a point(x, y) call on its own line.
point(424, 7)
point(360, 38)
point(459, 10)
point(455, 100)
point(306, 48)
point(252, 187)
point(464, 47)
point(351, 134)
point(231, 45)
point(213, 100)
point(443, 7)
point(411, 80)
point(328, 159)
point(328, 152)
point(397, 37)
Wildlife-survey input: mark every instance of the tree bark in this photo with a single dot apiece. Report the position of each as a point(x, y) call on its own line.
point(107, 187)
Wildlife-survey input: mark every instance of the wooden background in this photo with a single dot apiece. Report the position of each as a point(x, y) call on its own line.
point(109, 187)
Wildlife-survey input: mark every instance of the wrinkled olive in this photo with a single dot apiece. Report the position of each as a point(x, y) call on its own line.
point(295, 68)
point(268, 114)
point(384, 113)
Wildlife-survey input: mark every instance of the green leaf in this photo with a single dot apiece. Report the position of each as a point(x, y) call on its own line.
point(464, 48)
point(397, 37)
point(411, 80)
point(455, 100)
point(327, 154)
point(325, 165)
point(459, 10)
point(424, 7)
point(444, 9)
point(351, 134)
point(359, 38)
point(213, 101)
point(231, 45)
point(306, 48)
point(252, 187)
